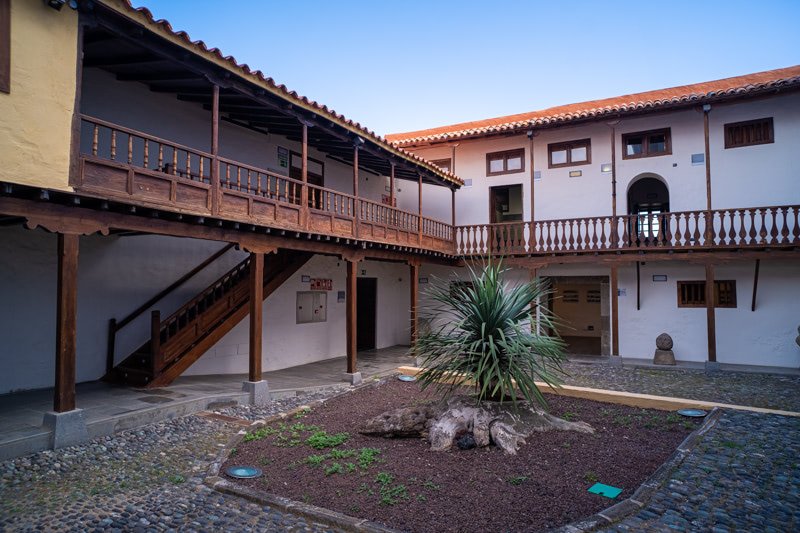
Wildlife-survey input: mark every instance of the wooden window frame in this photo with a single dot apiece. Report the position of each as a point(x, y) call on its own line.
point(569, 146)
point(728, 286)
point(448, 163)
point(728, 128)
point(505, 155)
point(5, 46)
point(667, 132)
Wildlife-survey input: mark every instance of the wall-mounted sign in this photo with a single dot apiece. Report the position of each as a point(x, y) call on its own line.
point(363, 271)
point(659, 277)
point(305, 279)
point(283, 157)
point(387, 200)
point(622, 292)
point(318, 284)
point(423, 280)
point(340, 297)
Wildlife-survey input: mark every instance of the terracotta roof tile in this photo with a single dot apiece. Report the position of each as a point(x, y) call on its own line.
point(739, 86)
point(256, 75)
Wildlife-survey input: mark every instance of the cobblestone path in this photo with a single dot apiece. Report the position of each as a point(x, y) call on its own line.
point(743, 476)
point(147, 479)
point(770, 391)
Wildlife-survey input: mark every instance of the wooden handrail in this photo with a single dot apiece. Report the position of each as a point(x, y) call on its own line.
point(115, 326)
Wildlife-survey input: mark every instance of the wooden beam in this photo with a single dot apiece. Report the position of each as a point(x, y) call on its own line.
point(66, 320)
point(419, 206)
point(304, 178)
point(710, 318)
point(351, 311)
point(215, 195)
point(414, 286)
point(755, 285)
point(453, 206)
point(614, 312)
point(256, 310)
point(530, 147)
point(391, 186)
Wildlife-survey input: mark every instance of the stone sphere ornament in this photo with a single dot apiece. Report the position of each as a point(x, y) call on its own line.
point(664, 354)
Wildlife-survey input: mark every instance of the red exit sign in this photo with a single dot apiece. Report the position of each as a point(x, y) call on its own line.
point(321, 284)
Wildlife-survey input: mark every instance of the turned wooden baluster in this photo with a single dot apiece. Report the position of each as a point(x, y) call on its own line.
point(130, 149)
point(94, 141)
point(239, 178)
point(696, 234)
point(763, 229)
point(146, 157)
point(732, 231)
point(188, 165)
point(774, 231)
point(160, 156)
point(796, 230)
point(113, 144)
point(200, 171)
point(174, 161)
point(785, 227)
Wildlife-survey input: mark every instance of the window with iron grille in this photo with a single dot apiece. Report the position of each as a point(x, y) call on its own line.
point(693, 293)
point(749, 133)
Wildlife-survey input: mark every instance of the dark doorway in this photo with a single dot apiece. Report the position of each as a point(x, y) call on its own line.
point(367, 296)
point(578, 308)
point(648, 199)
point(505, 204)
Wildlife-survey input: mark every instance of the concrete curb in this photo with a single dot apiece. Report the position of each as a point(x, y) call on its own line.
point(646, 490)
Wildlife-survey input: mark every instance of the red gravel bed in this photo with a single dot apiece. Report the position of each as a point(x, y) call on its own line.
point(543, 486)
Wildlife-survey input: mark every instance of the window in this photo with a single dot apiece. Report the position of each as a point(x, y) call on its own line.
point(5, 46)
point(693, 293)
point(507, 162)
point(569, 153)
point(444, 164)
point(646, 144)
point(749, 133)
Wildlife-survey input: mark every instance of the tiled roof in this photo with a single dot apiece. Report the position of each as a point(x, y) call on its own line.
point(698, 93)
point(164, 28)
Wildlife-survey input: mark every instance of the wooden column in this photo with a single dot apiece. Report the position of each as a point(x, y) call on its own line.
point(357, 205)
point(614, 312)
point(708, 158)
point(419, 206)
point(710, 317)
point(350, 296)
point(304, 177)
point(453, 205)
point(215, 191)
point(391, 196)
point(530, 136)
point(66, 319)
point(256, 309)
point(414, 286)
point(613, 175)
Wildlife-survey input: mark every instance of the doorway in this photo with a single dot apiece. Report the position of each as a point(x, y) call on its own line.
point(366, 307)
point(505, 204)
point(582, 307)
point(648, 199)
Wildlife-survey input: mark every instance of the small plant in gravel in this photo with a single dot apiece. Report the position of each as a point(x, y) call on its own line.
point(431, 485)
point(390, 495)
point(731, 444)
point(622, 420)
point(335, 468)
point(301, 414)
point(518, 480)
point(177, 479)
point(260, 434)
point(316, 460)
point(591, 477)
point(368, 457)
point(321, 439)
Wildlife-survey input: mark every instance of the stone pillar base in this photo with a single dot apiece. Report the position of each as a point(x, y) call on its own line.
point(664, 357)
point(69, 429)
point(259, 391)
point(352, 379)
point(712, 367)
point(615, 361)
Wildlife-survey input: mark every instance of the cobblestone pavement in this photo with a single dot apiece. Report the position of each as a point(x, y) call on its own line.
point(771, 391)
point(147, 479)
point(743, 476)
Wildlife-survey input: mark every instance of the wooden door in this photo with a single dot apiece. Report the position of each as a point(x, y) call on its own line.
point(366, 307)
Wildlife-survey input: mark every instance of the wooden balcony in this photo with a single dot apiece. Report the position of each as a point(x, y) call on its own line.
point(141, 169)
point(145, 170)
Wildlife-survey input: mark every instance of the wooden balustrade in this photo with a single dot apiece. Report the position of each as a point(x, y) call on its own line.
point(721, 228)
point(252, 180)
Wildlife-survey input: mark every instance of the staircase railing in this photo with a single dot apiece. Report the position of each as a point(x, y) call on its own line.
point(114, 326)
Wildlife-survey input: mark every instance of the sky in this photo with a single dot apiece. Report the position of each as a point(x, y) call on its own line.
point(404, 66)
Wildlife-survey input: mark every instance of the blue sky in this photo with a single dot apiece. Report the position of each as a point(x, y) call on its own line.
point(403, 66)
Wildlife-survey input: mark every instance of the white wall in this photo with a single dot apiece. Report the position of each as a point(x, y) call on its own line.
point(287, 344)
point(115, 276)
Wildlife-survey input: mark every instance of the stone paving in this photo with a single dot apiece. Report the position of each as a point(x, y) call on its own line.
point(743, 476)
point(770, 391)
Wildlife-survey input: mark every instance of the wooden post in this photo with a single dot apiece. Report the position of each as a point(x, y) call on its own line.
point(614, 312)
point(414, 285)
point(453, 206)
point(66, 320)
point(419, 206)
point(357, 203)
point(256, 309)
point(155, 343)
point(710, 318)
point(391, 196)
point(530, 136)
point(215, 190)
point(304, 176)
point(352, 274)
point(112, 336)
point(709, 217)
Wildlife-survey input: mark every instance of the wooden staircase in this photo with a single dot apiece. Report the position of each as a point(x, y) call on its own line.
point(181, 339)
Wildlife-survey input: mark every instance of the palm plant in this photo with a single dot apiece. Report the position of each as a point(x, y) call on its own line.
point(487, 333)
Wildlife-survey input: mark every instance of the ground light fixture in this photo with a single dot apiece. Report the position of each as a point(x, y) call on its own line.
point(403, 377)
point(243, 472)
point(694, 413)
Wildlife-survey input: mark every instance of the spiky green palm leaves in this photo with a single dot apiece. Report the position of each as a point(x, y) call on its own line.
point(485, 331)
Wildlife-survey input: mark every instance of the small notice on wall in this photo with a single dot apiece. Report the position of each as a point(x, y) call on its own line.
point(387, 200)
point(321, 284)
